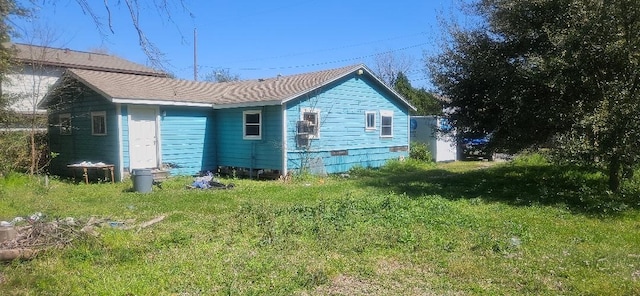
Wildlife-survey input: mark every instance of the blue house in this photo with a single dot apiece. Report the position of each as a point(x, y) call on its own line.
point(324, 122)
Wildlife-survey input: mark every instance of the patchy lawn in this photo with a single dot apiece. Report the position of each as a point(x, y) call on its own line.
point(407, 229)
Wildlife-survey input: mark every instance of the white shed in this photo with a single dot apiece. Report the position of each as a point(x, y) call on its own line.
point(426, 129)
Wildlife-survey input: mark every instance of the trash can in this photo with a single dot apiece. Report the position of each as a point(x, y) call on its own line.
point(142, 180)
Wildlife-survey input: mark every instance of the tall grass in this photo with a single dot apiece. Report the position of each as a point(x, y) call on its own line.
point(405, 229)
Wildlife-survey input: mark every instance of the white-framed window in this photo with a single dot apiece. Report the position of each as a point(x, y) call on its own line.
point(370, 120)
point(311, 122)
point(386, 124)
point(64, 120)
point(99, 123)
point(252, 125)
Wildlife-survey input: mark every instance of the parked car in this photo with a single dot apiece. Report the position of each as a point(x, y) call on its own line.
point(475, 148)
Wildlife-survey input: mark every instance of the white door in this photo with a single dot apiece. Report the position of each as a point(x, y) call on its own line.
point(143, 139)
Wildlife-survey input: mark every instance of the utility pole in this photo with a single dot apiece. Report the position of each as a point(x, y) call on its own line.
point(195, 54)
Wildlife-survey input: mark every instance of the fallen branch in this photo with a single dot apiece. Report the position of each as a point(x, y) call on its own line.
point(152, 221)
point(22, 253)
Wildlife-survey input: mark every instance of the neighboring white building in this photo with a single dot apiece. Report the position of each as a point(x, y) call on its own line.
point(427, 130)
point(36, 68)
point(28, 85)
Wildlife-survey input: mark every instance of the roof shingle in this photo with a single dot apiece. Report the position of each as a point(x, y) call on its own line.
point(67, 58)
point(144, 89)
point(141, 87)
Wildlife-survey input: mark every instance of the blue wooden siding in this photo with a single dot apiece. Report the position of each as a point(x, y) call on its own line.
point(81, 145)
point(188, 143)
point(372, 157)
point(234, 151)
point(343, 106)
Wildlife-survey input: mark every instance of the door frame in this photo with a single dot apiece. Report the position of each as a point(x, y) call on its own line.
point(130, 110)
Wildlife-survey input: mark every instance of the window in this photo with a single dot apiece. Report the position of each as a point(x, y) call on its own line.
point(252, 125)
point(99, 123)
point(311, 122)
point(65, 123)
point(386, 123)
point(370, 118)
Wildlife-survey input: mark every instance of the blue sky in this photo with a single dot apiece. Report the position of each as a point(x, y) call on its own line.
point(256, 39)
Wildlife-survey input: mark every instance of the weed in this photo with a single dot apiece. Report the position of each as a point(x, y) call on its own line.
point(527, 227)
point(311, 277)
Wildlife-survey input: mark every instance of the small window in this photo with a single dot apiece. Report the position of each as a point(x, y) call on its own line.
point(311, 119)
point(64, 121)
point(252, 125)
point(99, 123)
point(386, 124)
point(370, 118)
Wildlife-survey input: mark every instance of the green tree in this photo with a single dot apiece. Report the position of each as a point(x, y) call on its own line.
point(425, 102)
point(8, 8)
point(549, 71)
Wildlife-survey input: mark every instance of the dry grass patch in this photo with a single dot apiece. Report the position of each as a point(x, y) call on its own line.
point(391, 277)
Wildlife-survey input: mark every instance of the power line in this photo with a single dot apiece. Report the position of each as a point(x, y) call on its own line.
point(318, 51)
point(313, 64)
point(331, 62)
point(329, 49)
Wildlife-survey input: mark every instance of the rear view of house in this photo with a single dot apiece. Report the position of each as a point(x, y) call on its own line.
point(325, 122)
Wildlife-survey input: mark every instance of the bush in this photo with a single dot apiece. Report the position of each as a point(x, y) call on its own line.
point(531, 159)
point(15, 154)
point(420, 151)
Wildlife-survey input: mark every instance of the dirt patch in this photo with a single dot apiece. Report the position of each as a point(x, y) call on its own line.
point(392, 277)
point(389, 266)
point(349, 285)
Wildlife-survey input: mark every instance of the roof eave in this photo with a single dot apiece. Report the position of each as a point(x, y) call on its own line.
point(390, 89)
point(355, 69)
point(92, 68)
point(44, 103)
point(248, 104)
point(91, 86)
point(160, 102)
point(297, 95)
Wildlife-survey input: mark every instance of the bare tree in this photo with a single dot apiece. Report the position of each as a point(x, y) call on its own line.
point(221, 75)
point(389, 64)
point(101, 50)
point(100, 14)
point(29, 81)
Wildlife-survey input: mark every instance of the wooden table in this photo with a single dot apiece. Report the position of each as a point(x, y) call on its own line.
point(85, 170)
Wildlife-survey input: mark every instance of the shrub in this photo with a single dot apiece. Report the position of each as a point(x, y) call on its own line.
point(531, 159)
point(15, 155)
point(420, 151)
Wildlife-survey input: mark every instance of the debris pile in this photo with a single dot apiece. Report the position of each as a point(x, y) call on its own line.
point(88, 164)
point(24, 238)
point(42, 234)
point(209, 182)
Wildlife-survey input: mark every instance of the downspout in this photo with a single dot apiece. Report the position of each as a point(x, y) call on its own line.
point(408, 131)
point(285, 138)
point(159, 118)
point(253, 157)
point(120, 143)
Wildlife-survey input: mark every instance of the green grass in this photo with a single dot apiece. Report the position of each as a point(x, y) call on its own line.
point(462, 228)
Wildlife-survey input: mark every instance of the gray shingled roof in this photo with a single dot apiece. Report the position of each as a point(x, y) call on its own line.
point(120, 87)
point(67, 58)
